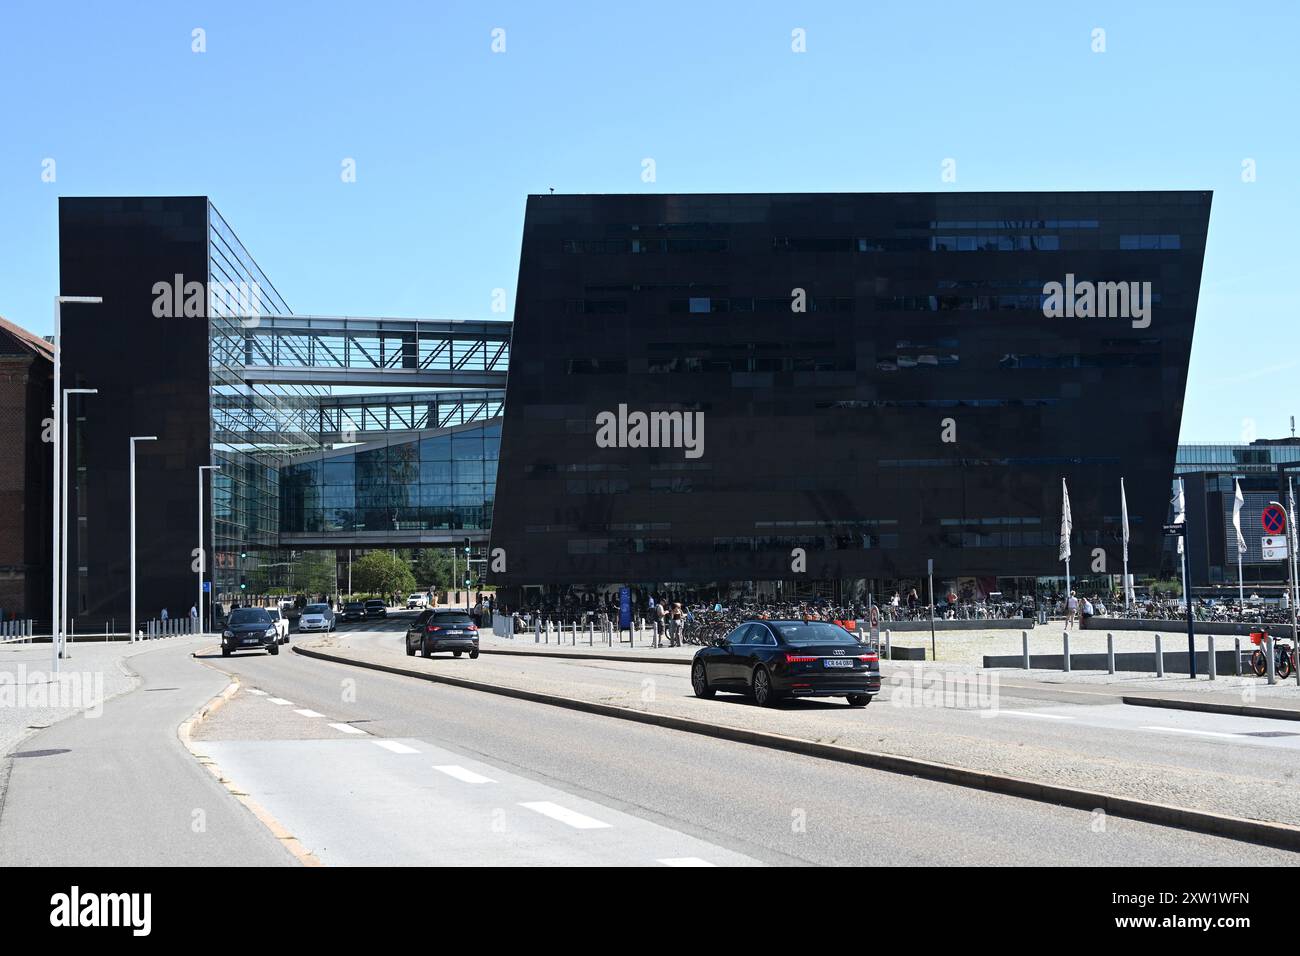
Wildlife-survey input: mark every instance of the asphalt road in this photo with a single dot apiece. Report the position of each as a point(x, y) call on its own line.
point(370, 768)
point(379, 797)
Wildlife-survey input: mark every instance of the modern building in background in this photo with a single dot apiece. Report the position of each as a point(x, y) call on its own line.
point(875, 376)
point(26, 396)
point(870, 381)
point(1210, 474)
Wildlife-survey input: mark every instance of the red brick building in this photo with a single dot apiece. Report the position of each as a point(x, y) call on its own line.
point(26, 493)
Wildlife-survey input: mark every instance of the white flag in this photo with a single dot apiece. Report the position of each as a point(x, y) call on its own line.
point(1180, 512)
point(1067, 525)
point(1238, 503)
point(1123, 511)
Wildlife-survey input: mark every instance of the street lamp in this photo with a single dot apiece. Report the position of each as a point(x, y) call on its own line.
point(203, 554)
point(63, 522)
point(134, 439)
point(55, 512)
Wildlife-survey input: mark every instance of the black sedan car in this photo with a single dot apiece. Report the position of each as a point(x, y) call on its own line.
point(376, 608)
point(435, 631)
point(249, 629)
point(771, 660)
point(354, 611)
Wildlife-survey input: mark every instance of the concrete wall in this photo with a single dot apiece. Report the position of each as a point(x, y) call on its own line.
point(1179, 627)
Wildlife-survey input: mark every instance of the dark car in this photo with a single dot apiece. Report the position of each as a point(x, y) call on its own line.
point(376, 608)
point(436, 631)
point(247, 629)
point(354, 611)
point(770, 660)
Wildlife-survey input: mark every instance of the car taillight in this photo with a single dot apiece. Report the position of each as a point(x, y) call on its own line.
point(433, 627)
point(869, 658)
point(472, 627)
point(798, 659)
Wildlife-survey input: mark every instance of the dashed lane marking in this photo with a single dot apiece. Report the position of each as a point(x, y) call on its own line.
point(280, 701)
point(463, 775)
point(684, 861)
point(308, 713)
point(395, 747)
point(347, 728)
point(1197, 733)
point(573, 818)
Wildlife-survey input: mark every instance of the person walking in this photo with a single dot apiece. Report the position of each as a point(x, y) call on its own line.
point(1071, 609)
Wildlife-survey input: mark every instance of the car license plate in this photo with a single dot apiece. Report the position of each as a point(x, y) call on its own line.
point(838, 662)
point(250, 640)
point(455, 633)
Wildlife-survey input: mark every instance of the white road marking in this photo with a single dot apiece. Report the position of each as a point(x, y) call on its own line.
point(564, 815)
point(308, 713)
point(463, 775)
point(259, 693)
point(280, 701)
point(1024, 713)
point(348, 728)
point(1198, 733)
point(684, 861)
point(395, 747)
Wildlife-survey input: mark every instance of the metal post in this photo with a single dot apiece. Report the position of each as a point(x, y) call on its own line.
point(933, 650)
point(1268, 655)
point(1214, 665)
point(63, 517)
point(1110, 653)
point(133, 440)
point(1024, 647)
point(1160, 658)
point(1065, 648)
point(889, 644)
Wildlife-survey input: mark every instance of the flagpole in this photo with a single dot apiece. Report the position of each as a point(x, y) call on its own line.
point(1182, 551)
point(1124, 501)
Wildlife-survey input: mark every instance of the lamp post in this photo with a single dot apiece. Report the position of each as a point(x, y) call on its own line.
point(203, 554)
point(63, 520)
point(134, 439)
point(55, 471)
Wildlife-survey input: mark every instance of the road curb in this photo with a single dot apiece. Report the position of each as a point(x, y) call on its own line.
point(1279, 835)
point(574, 655)
point(1212, 707)
point(185, 732)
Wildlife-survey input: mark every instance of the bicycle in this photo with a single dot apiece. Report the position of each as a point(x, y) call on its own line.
point(1283, 656)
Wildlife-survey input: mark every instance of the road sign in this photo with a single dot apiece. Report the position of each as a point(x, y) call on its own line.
point(1176, 530)
point(207, 587)
point(1274, 520)
point(1273, 547)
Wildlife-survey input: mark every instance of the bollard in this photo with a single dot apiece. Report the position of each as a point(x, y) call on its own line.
point(1214, 667)
point(1268, 657)
point(1110, 653)
point(1236, 657)
point(889, 653)
point(1160, 659)
point(591, 632)
point(1024, 647)
point(1065, 647)
point(537, 631)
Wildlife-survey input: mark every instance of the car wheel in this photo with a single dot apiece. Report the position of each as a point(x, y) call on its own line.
point(225, 652)
point(700, 681)
point(410, 651)
point(424, 652)
point(273, 650)
point(859, 700)
point(761, 686)
point(473, 655)
point(455, 653)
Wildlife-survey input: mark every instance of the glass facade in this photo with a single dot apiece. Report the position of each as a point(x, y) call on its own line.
point(246, 490)
point(443, 480)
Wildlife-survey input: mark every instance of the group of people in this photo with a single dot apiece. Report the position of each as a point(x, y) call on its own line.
point(1077, 611)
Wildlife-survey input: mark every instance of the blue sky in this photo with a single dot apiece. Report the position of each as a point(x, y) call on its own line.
point(449, 138)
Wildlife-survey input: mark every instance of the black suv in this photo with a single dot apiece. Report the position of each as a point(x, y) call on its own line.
point(435, 631)
point(354, 611)
point(248, 629)
point(376, 608)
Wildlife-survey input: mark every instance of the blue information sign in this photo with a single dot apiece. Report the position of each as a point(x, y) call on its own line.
point(624, 607)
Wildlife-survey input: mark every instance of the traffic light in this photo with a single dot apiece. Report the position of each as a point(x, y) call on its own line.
point(467, 583)
point(243, 584)
point(243, 555)
point(467, 545)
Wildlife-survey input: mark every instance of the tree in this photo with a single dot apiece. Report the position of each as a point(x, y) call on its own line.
point(433, 570)
point(381, 573)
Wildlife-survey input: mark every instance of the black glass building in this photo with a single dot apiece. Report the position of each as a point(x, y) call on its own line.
point(880, 379)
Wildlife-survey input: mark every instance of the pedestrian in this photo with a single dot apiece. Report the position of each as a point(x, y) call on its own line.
point(1071, 609)
point(1087, 612)
point(677, 624)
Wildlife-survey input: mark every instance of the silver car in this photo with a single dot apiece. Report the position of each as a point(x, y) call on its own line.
point(316, 617)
